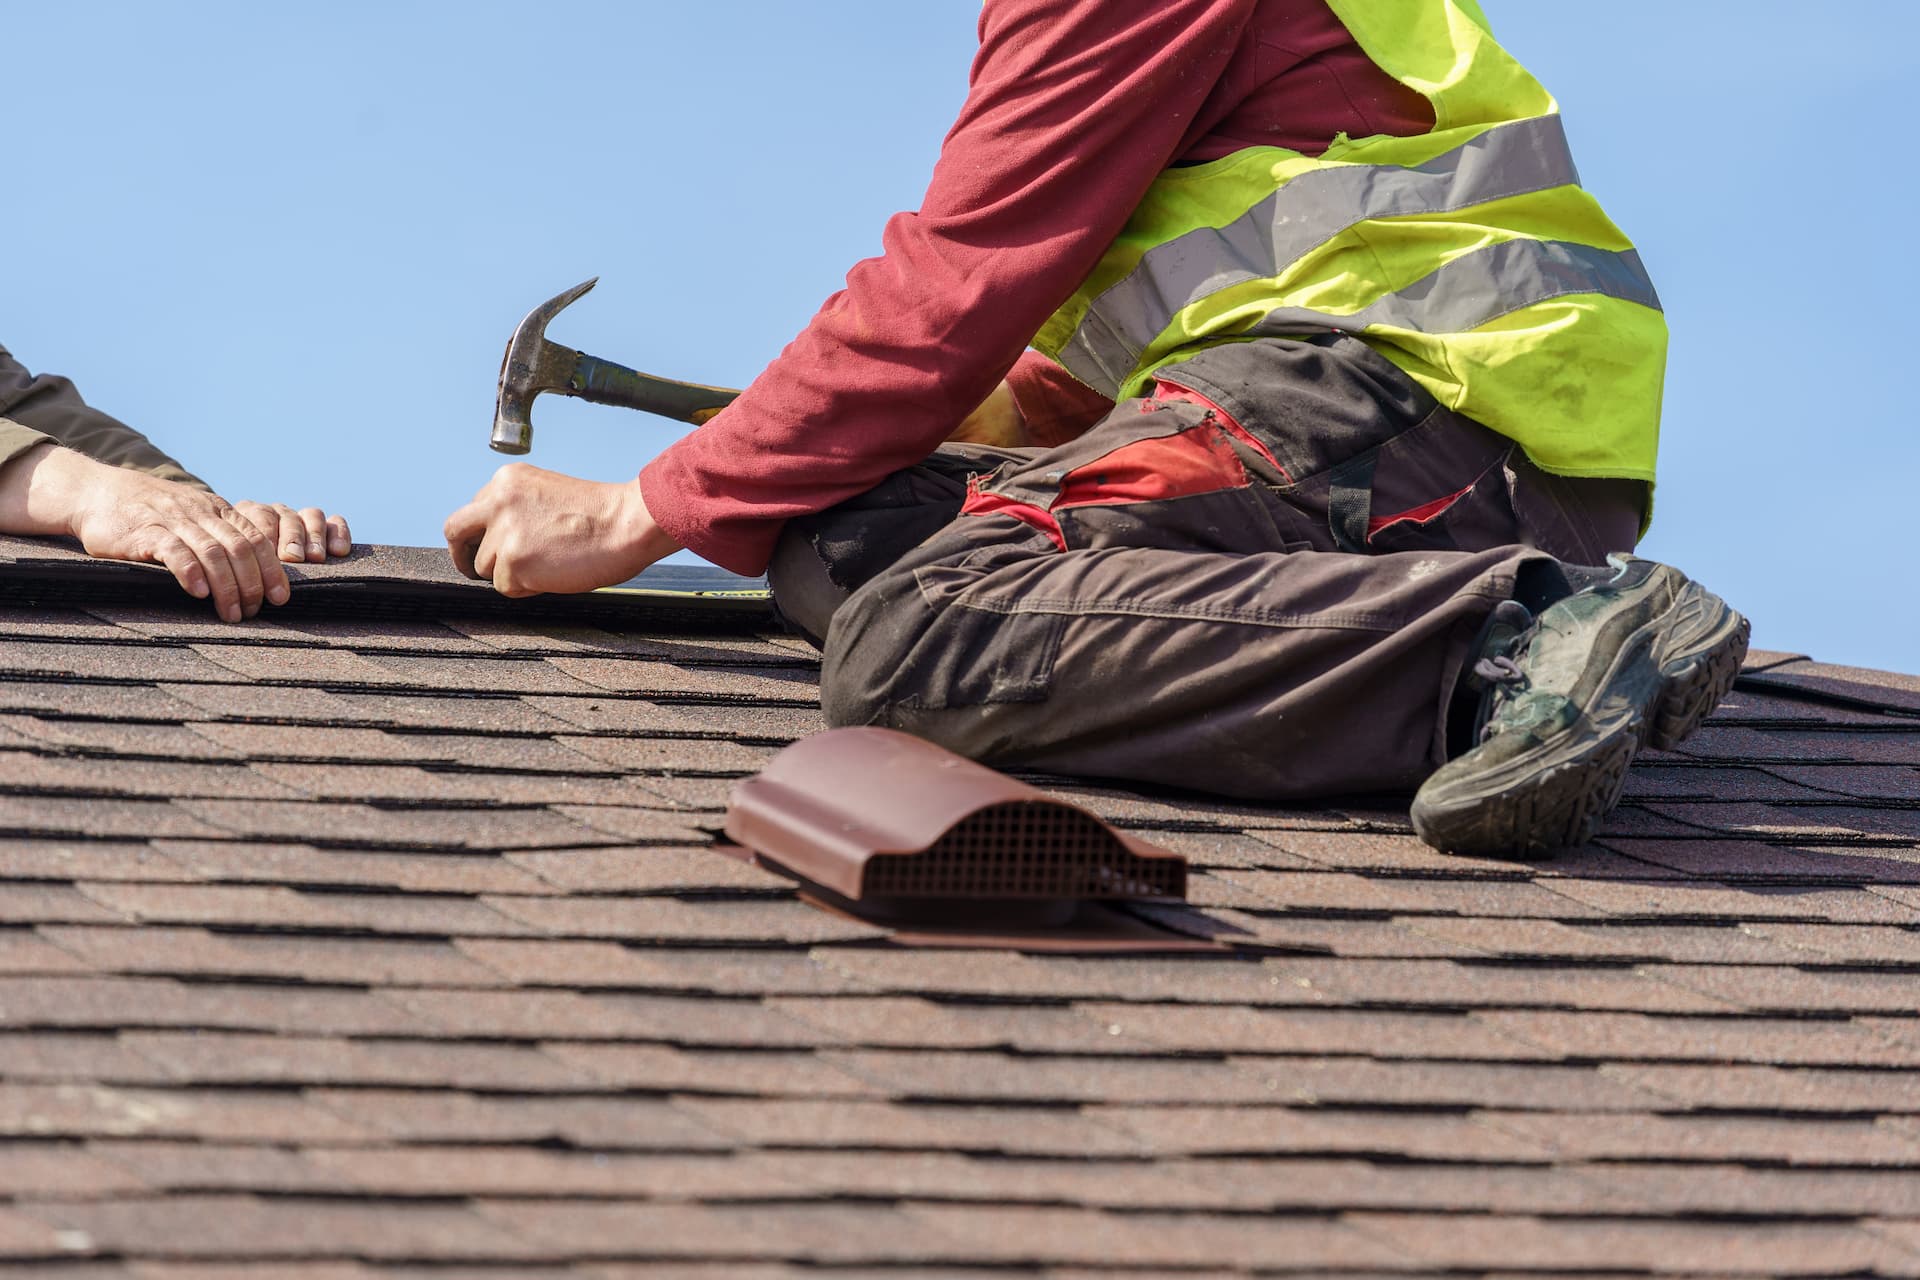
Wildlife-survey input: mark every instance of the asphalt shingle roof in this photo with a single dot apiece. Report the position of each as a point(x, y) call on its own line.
point(384, 936)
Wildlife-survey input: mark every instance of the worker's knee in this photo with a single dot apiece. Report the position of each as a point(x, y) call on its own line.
point(935, 652)
point(804, 592)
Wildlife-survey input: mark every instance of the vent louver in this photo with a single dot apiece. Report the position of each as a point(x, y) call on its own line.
point(878, 817)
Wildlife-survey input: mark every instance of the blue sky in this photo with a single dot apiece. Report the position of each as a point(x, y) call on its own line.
point(288, 241)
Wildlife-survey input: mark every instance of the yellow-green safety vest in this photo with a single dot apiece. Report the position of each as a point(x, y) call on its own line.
point(1469, 256)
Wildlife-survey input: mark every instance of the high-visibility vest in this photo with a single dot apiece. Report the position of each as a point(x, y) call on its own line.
point(1469, 256)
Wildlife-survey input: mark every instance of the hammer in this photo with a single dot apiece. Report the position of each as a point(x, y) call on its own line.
point(533, 365)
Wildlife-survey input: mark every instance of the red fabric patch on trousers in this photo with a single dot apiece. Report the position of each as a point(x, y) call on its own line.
point(981, 503)
point(1418, 515)
point(1174, 391)
point(1197, 460)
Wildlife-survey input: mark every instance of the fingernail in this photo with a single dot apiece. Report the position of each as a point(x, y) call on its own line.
point(293, 549)
point(316, 551)
point(231, 613)
point(277, 594)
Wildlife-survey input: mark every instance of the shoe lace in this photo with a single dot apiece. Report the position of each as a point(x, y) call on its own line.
point(1504, 680)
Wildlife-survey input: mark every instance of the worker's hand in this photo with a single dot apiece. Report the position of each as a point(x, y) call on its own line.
point(211, 549)
point(308, 534)
point(530, 531)
point(997, 421)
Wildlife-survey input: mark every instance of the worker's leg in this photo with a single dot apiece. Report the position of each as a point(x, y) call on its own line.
point(1145, 603)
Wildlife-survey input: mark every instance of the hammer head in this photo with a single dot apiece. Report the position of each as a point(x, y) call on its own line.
point(530, 366)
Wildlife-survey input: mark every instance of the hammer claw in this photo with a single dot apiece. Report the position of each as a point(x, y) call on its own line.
point(533, 365)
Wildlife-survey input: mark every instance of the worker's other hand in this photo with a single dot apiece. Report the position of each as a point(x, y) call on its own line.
point(997, 421)
point(530, 531)
point(211, 549)
point(309, 534)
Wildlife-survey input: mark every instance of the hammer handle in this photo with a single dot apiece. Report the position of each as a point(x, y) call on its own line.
point(604, 382)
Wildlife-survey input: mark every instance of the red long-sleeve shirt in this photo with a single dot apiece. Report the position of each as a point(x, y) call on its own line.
point(1072, 110)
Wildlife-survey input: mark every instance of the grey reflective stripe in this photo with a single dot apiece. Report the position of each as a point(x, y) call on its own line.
point(1509, 160)
point(1482, 286)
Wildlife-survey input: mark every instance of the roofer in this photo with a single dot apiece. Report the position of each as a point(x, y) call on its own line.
point(68, 469)
point(1348, 386)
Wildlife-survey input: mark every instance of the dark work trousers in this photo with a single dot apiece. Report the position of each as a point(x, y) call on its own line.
point(1261, 582)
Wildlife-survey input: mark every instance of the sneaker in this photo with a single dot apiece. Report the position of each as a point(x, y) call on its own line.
point(1638, 660)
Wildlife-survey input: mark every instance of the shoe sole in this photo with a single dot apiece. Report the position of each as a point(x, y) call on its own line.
point(1553, 798)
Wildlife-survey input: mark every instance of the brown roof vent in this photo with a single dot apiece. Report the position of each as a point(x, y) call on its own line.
point(885, 819)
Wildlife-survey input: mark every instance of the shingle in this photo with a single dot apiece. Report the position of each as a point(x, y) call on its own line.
point(589, 1123)
point(97, 818)
point(1093, 1238)
point(132, 663)
point(1529, 939)
point(635, 824)
point(1334, 891)
point(279, 704)
point(1880, 688)
point(25, 1237)
point(1311, 1130)
point(1313, 1032)
point(777, 685)
point(215, 1166)
point(1821, 1141)
point(193, 952)
point(724, 971)
point(51, 904)
point(1732, 1087)
point(1845, 944)
point(1859, 781)
point(22, 951)
point(259, 905)
point(668, 919)
point(912, 1022)
point(21, 621)
point(122, 703)
point(396, 782)
point(451, 828)
point(837, 1124)
point(62, 1170)
point(307, 742)
point(60, 1057)
point(629, 714)
point(517, 1171)
point(1477, 1242)
point(1407, 1083)
point(827, 1232)
point(1452, 985)
point(110, 1002)
point(1807, 823)
point(74, 775)
point(498, 674)
point(762, 1073)
point(1771, 989)
point(244, 1059)
point(460, 710)
point(122, 738)
point(1001, 1077)
point(298, 864)
point(1738, 861)
point(289, 665)
point(237, 1226)
point(672, 755)
point(1717, 900)
point(645, 870)
point(89, 1111)
point(1639, 1037)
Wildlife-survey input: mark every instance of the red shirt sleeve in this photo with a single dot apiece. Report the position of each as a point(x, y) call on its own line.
point(1073, 109)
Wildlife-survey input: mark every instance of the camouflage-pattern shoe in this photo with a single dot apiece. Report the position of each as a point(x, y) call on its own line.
point(1638, 660)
